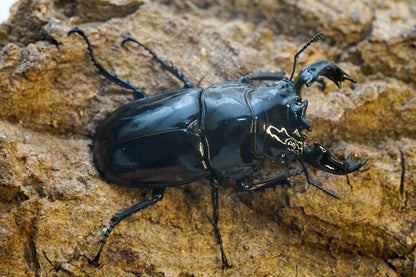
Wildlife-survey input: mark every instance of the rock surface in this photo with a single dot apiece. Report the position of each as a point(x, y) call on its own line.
point(54, 207)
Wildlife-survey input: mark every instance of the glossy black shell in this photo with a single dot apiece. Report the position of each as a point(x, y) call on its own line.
point(178, 137)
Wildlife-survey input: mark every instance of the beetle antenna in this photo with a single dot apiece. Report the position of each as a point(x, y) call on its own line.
point(315, 38)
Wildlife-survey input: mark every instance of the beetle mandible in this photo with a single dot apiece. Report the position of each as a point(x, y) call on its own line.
point(222, 132)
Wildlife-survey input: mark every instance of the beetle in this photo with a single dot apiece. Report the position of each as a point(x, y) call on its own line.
point(222, 132)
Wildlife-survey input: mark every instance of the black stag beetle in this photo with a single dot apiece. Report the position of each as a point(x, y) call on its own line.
point(222, 132)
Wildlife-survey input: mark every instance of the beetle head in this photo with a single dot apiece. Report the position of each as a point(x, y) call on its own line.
point(281, 120)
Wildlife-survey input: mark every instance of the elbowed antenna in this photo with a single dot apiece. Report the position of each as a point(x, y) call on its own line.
point(317, 37)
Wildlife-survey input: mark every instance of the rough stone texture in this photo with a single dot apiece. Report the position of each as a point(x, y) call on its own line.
point(54, 207)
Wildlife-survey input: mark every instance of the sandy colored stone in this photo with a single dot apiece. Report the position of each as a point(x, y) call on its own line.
point(54, 207)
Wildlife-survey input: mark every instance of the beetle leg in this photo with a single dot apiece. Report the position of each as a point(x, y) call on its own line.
point(214, 195)
point(157, 195)
point(261, 76)
point(171, 68)
point(137, 93)
point(281, 179)
point(310, 182)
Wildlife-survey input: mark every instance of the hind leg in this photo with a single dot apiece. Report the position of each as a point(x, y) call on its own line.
point(157, 195)
point(137, 93)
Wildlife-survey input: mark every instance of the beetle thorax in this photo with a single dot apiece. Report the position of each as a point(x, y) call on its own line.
point(280, 121)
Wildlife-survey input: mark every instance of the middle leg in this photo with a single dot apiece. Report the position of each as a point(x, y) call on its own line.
point(214, 186)
point(157, 195)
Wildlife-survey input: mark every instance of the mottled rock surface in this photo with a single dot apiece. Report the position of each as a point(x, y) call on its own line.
point(54, 207)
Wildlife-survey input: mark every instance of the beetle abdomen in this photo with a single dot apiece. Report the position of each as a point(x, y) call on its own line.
point(151, 142)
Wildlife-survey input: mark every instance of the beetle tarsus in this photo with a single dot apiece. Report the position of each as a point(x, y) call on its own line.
point(170, 68)
point(157, 195)
point(137, 93)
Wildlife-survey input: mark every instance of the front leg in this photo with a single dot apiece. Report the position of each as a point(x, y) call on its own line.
point(261, 76)
point(247, 184)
